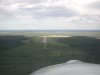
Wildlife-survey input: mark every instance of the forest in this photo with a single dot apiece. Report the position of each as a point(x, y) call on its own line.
point(20, 55)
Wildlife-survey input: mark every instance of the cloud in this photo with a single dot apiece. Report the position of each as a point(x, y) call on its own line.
point(38, 10)
point(93, 8)
point(24, 16)
point(20, 1)
point(95, 5)
point(86, 19)
point(56, 12)
point(61, 12)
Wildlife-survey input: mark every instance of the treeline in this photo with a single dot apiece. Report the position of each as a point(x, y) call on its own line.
point(9, 42)
point(89, 45)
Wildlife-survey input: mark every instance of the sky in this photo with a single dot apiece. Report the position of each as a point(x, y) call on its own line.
point(49, 14)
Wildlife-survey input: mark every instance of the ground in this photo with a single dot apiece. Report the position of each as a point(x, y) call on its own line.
point(20, 55)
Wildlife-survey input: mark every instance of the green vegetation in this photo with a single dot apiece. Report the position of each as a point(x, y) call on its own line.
point(21, 55)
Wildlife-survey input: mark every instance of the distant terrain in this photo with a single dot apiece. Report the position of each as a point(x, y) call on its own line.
point(88, 33)
point(23, 52)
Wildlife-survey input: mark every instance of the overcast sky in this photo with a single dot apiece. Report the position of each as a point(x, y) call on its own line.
point(49, 14)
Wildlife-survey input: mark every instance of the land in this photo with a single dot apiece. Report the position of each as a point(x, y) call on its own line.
point(23, 52)
point(46, 33)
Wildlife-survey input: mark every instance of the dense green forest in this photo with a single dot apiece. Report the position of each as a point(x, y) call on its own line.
point(21, 55)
